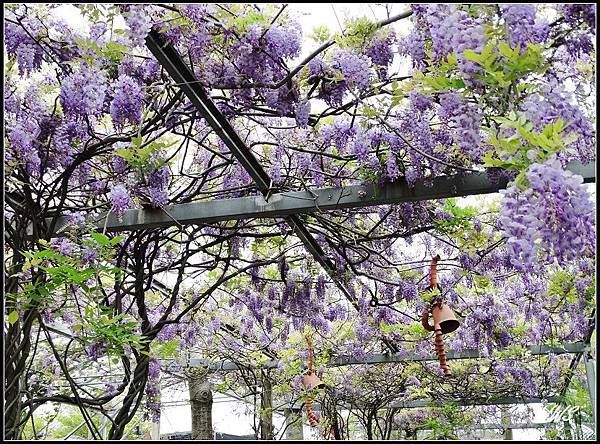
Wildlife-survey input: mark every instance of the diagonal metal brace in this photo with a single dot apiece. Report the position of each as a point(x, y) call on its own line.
point(173, 63)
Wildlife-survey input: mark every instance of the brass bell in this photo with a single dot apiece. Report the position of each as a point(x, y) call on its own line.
point(445, 318)
point(312, 381)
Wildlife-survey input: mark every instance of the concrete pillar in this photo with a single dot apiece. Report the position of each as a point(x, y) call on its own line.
point(201, 404)
point(155, 431)
point(293, 431)
point(506, 423)
point(590, 372)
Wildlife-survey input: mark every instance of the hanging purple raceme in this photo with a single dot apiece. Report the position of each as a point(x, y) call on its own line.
point(413, 46)
point(19, 43)
point(356, 69)
point(126, 105)
point(119, 164)
point(379, 50)
point(157, 189)
point(288, 294)
point(63, 246)
point(301, 113)
point(553, 214)
point(96, 350)
point(120, 199)
point(83, 91)
point(465, 122)
point(159, 197)
point(153, 389)
point(20, 136)
point(573, 12)
point(360, 146)
point(320, 287)
point(519, 20)
point(67, 140)
point(138, 20)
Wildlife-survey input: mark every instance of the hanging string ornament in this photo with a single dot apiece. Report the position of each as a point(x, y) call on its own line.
point(310, 382)
point(444, 320)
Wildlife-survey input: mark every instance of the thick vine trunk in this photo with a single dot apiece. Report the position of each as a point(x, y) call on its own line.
point(17, 345)
point(266, 410)
point(132, 400)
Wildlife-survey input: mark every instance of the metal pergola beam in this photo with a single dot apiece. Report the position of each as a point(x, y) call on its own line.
point(519, 425)
point(534, 350)
point(305, 202)
point(461, 402)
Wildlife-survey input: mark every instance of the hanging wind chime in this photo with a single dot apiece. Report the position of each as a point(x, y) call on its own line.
point(310, 381)
point(444, 320)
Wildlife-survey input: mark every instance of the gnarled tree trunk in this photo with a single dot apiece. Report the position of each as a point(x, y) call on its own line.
point(266, 410)
point(201, 404)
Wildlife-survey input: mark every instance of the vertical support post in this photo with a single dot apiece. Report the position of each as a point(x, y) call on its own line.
point(201, 405)
point(104, 427)
point(506, 423)
point(590, 372)
point(294, 426)
point(105, 423)
point(155, 431)
point(266, 409)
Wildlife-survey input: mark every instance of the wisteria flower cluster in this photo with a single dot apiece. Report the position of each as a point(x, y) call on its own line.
point(553, 215)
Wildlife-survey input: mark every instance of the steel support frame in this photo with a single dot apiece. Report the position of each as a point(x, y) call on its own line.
point(173, 63)
point(171, 60)
point(460, 402)
point(380, 358)
point(184, 77)
point(293, 203)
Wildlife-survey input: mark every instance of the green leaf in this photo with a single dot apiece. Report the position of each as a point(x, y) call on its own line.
point(472, 56)
point(101, 238)
point(114, 51)
point(13, 317)
point(10, 64)
point(452, 60)
point(505, 50)
point(320, 34)
point(359, 31)
point(369, 111)
point(114, 241)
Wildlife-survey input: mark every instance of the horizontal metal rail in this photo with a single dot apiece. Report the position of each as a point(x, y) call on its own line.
point(224, 366)
point(522, 425)
point(305, 202)
point(461, 402)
